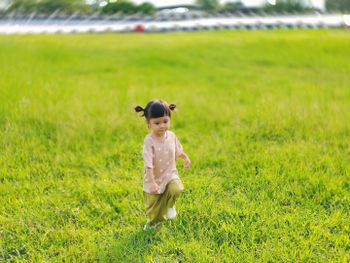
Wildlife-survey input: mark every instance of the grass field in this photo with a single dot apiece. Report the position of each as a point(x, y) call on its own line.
point(264, 116)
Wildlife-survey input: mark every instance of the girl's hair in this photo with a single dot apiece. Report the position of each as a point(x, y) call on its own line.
point(155, 109)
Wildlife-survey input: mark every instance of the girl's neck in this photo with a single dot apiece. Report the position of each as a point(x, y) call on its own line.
point(159, 137)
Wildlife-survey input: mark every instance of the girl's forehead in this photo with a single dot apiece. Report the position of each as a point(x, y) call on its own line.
point(160, 118)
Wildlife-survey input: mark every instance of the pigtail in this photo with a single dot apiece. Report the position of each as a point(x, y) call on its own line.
point(172, 106)
point(139, 109)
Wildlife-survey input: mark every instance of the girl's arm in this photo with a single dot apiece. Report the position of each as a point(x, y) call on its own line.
point(187, 160)
point(150, 178)
point(180, 153)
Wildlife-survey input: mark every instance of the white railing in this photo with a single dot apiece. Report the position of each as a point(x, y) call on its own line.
point(51, 25)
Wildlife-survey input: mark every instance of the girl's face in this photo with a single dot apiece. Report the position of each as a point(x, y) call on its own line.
point(159, 125)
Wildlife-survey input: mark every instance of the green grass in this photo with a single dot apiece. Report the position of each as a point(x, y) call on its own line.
point(263, 115)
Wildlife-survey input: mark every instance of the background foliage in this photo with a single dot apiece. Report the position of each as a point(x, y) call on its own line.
point(128, 7)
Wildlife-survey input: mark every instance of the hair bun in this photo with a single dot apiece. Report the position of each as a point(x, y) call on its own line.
point(172, 106)
point(139, 109)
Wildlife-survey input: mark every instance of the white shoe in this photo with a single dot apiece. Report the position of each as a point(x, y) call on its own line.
point(171, 213)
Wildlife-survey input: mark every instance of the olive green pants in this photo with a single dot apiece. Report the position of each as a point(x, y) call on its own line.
point(158, 204)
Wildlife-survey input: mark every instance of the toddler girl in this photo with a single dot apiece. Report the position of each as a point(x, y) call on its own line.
point(161, 182)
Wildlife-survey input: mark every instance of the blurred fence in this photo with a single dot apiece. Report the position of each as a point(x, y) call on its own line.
point(56, 23)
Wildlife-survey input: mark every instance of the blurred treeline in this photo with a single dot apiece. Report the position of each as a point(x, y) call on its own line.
point(82, 6)
point(279, 6)
point(128, 7)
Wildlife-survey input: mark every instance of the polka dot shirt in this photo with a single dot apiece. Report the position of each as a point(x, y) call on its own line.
point(160, 155)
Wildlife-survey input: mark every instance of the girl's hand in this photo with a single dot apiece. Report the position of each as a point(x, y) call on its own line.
point(154, 188)
point(187, 163)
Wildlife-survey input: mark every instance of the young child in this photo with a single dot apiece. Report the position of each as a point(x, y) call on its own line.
point(161, 182)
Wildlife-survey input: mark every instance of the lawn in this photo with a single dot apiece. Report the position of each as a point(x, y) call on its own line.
point(263, 115)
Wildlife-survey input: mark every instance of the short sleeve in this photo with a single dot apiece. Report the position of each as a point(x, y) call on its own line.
point(148, 153)
point(178, 147)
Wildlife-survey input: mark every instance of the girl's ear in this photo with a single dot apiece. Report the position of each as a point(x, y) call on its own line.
point(148, 124)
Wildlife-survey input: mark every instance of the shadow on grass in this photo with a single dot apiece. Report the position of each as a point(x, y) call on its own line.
point(131, 247)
